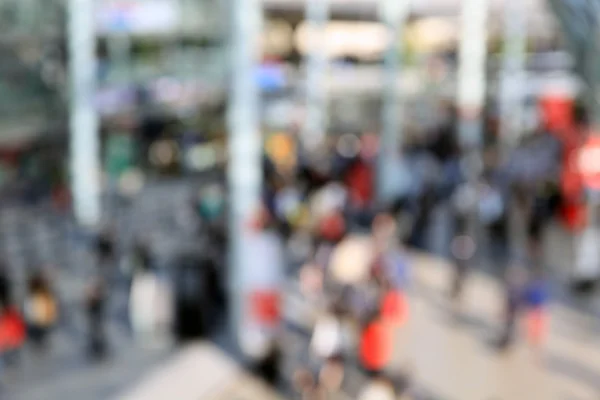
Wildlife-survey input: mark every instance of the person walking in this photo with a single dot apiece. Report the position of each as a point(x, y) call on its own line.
point(513, 301)
point(105, 248)
point(536, 297)
point(150, 304)
point(462, 249)
point(95, 302)
point(41, 310)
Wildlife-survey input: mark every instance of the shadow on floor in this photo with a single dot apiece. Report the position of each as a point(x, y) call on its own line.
point(561, 365)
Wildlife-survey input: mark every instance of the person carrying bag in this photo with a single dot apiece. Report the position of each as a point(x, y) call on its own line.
point(41, 310)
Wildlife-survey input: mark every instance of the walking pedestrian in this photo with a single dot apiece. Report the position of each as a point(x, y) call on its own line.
point(513, 300)
point(536, 297)
point(105, 247)
point(5, 286)
point(41, 310)
point(463, 249)
point(95, 303)
point(150, 305)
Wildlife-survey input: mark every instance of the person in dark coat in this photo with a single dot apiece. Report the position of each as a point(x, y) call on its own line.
point(5, 287)
point(95, 303)
point(514, 292)
point(105, 247)
point(200, 300)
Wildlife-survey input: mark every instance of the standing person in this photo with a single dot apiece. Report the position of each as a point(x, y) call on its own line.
point(462, 249)
point(493, 215)
point(462, 246)
point(536, 297)
point(41, 310)
point(514, 287)
point(359, 179)
point(141, 257)
point(425, 206)
point(391, 270)
point(95, 302)
point(105, 247)
point(5, 286)
point(149, 305)
point(199, 297)
point(211, 204)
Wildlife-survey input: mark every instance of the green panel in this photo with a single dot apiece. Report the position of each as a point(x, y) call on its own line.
point(120, 155)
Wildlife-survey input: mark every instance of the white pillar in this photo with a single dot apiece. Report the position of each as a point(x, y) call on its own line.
point(472, 70)
point(245, 144)
point(315, 125)
point(512, 93)
point(85, 154)
point(393, 14)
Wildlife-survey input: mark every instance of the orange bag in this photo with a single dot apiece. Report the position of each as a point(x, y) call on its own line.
point(376, 345)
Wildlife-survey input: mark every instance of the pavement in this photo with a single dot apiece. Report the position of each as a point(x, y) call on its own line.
point(449, 355)
point(199, 372)
point(455, 358)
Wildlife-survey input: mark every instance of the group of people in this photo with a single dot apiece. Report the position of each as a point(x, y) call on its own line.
point(322, 207)
point(325, 203)
point(30, 321)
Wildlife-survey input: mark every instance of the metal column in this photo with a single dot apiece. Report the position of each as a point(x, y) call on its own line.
point(315, 126)
point(85, 154)
point(393, 14)
point(245, 143)
point(513, 73)
point(472, 79)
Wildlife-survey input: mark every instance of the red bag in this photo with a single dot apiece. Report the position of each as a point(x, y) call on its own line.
point(12, 330)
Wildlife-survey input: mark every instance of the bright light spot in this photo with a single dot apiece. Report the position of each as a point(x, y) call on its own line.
point(360, 39)
point(201, 157)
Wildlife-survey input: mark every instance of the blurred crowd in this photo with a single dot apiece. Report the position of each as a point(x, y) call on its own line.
point(349, 252)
